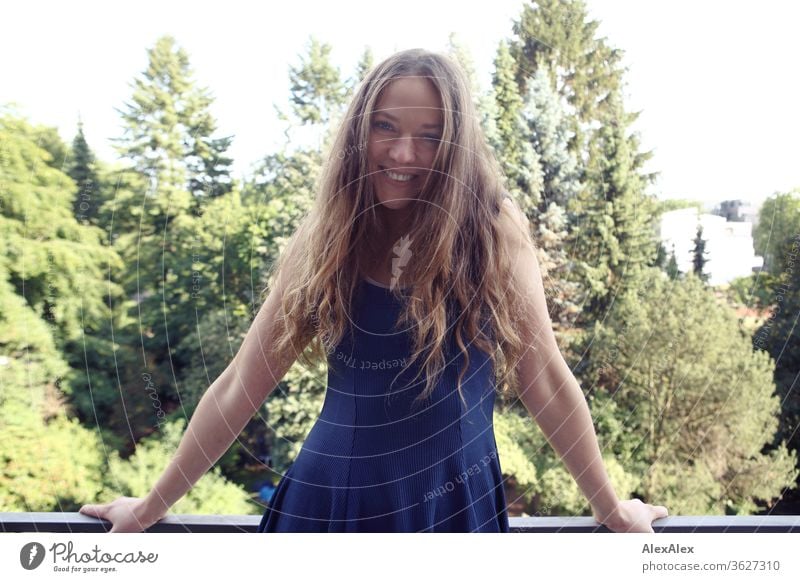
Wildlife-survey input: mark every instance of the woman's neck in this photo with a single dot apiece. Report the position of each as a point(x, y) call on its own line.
point(393, 223)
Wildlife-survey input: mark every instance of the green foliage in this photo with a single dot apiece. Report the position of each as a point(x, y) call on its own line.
point(318, 92)
point(695, 398)
point(48, 139)
point(689, 489)
point(177, 166)
point(169, 128)
point(672, 270)
point(616, 435)
point(51, 260)
point(460, 52)
point(517, 446)
point(662, 206)
point(561, 494)
point(218, 290)
point(779, 337)
point(26, 345)
point(778, 224)
point(283, 188)
point(519, 161)
point(365, 64)
point(756, 290)
point(47, 461)
point(58, 268)
point(84, 173)
point(583, 67)
point(613, 236)
point(292, 410)
point(527, 457)
point(699, 253)
point(548, 130)
point(46, 465)
point(135, 477)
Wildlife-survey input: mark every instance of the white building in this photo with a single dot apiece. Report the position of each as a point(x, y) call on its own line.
point(729, 245)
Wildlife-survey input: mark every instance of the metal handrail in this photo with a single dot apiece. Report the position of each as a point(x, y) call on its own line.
point(73, 522)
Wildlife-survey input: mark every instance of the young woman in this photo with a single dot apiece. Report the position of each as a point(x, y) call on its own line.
point(416, 278)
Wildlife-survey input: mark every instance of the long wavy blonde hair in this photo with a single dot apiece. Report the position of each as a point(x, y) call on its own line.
point(460, 265)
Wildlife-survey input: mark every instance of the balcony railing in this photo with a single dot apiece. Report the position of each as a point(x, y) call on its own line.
point(79, 523)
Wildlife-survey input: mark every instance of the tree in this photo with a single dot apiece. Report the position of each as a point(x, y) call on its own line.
point(778, 222)
point(548, 131)
point(699, 253)
point(49, 464)
point(168, 131)
point(696, 402)
point(59, 268)
point(609, 213)
point(317, 91)
point(660, 259)
point(756, 290)
point(83, 172)
point(672, 266)
point(49, 460)
point(779, 336)
point(518, 159)
point(365, 64)
point(676, 204)
point(459, 52)
point(49, 140)
point(177, 168)
point(584, 69)
point(56, 264)
point(613, 236)
point(536, 474)
point(235, 240)
point(214, 298)
point(135, 476)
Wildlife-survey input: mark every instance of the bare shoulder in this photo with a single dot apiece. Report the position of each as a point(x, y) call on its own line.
point(515, 228)
point(542, 369)
point(518, 243)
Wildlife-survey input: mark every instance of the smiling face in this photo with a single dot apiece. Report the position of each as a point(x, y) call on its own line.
point(405, 130)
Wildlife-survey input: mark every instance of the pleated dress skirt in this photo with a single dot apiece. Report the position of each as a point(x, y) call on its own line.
point(373, 462)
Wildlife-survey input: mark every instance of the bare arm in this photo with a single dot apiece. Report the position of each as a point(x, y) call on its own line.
point(548, 388)
point(225, 408)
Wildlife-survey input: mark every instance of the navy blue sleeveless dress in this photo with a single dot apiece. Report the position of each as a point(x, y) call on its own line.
point(372, 462)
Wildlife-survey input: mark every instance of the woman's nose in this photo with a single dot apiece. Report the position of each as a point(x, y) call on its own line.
point(402, 150)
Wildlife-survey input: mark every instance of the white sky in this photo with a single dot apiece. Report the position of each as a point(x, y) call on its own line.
point(716, 82)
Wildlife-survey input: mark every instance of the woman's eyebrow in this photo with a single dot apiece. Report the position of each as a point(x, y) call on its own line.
point(393, 118)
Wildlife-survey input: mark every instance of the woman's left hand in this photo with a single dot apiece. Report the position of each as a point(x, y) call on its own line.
point(633, 516)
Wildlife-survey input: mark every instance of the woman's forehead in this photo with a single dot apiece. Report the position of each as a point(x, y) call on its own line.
point(410, 95)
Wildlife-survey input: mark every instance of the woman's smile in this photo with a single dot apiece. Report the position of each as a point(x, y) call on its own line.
point(397, 178)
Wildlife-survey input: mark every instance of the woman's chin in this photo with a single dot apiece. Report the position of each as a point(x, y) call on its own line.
point(395, 204)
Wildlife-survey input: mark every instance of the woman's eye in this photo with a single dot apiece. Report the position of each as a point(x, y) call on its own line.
point(386, 126)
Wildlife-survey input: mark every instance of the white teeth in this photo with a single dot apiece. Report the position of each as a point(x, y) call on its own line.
point(399, 177)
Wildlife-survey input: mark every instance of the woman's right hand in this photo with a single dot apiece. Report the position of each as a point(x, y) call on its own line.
point(633, 516)
point(126, 514)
